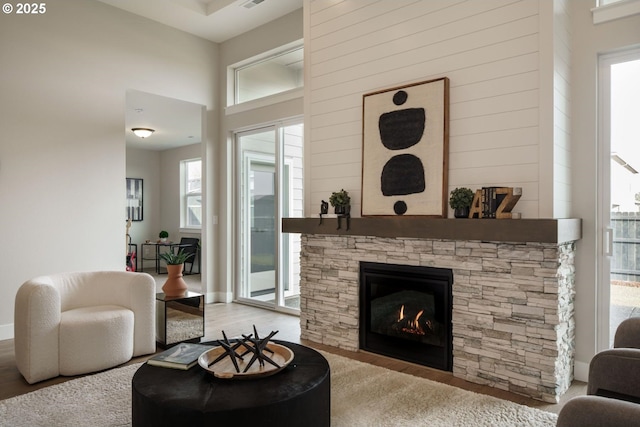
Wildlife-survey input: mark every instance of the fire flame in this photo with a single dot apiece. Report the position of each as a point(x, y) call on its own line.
point(412, 326)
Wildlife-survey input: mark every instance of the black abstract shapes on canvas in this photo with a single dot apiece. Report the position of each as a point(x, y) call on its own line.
point(400, 207)
point(400, 97)
point(402, 174)
point(402, 129)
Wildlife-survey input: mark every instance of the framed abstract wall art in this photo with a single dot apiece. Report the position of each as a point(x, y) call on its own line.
point(405, 150)
point(134, 199)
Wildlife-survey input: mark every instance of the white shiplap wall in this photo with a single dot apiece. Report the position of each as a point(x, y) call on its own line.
point(489, 50)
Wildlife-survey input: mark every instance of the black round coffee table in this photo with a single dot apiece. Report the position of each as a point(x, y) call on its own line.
point(299, 395)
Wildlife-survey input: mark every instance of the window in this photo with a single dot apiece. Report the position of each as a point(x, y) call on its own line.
point(191, 213)
point(608, 10)
point(270, 75)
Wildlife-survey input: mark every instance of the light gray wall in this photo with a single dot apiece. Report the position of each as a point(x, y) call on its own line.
point(280, 32)
point(62, 151)
point(589, 41)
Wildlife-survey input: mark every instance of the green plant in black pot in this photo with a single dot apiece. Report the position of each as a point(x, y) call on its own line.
point(340, 201)
point(460, 201)
point(173, 258)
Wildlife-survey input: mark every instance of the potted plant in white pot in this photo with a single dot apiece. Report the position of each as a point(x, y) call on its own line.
point(175, 285)
point(460, 201)
point(163, 236)
point(340, 201)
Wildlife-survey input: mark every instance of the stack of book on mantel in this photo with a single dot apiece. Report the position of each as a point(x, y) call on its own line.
point(495, 202)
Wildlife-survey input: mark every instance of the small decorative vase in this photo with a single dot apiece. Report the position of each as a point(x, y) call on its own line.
point(461, 212)
point(175, 286)
point(339, 210)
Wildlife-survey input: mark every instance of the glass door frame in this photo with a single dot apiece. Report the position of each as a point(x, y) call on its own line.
point(249, 158)
point(604, 236)
point(241, 247)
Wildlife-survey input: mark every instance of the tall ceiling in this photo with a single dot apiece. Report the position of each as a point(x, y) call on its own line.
point(178, 123)
point(215, 20)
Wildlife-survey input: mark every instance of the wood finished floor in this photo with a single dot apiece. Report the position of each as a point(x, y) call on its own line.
point(236, 319)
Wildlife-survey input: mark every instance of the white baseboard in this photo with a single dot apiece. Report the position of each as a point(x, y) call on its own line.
point(6, 332)
point(581, 371)
point(212, 297)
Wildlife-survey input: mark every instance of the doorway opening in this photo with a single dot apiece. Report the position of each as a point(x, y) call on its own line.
point(158, 161)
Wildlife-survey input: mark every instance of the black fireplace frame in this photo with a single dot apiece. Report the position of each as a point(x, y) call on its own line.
point(436, 280)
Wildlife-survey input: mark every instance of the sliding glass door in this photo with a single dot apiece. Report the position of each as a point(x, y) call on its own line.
point(269, 187)
point(619, 196)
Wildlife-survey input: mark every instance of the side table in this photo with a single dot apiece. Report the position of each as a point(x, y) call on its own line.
point(156, 253)
point(179, 319)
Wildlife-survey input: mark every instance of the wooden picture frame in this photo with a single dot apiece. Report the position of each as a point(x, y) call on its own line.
point(135, 187)
point(405, 150)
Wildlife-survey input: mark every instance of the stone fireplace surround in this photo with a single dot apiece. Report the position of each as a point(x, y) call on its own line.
point(513, 300)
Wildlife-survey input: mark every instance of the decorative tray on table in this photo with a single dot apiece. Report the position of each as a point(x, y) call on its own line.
point(247, 358)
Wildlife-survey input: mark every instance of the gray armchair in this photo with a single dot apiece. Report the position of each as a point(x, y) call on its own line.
point(613, 390)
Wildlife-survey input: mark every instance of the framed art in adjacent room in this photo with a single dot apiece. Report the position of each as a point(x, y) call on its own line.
point(405, 150)
point(134, 199)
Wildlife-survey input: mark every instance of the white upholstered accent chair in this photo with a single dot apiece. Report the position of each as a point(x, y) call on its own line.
point(76, 323)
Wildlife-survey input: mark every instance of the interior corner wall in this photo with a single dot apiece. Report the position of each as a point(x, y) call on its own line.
point(265, 38)
point(555, 37)
point(490, 52)
point(62, 152)
point(590, 41)
point(561, 112)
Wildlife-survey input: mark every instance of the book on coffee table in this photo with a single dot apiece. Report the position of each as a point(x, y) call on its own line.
point(182, 356)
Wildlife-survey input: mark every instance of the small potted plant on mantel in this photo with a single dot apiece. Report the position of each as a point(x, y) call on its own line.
point(175, 285)
point(460, 201)
point(340, 201)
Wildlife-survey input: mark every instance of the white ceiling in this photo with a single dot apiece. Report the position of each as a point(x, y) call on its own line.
point(178, 123)
point(215, 20)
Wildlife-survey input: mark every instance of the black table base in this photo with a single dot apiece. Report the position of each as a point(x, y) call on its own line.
point(299, 395)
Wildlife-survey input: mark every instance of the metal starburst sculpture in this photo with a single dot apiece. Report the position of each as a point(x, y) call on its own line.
point(252, 344)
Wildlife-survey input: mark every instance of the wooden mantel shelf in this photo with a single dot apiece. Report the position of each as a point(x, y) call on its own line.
point(494, 230)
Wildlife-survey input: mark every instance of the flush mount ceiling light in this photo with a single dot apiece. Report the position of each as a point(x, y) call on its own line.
point(143, 132)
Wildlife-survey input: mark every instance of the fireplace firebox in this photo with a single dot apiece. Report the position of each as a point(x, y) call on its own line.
point(405, 313)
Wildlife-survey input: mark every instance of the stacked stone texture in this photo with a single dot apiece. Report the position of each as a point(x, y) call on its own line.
point(513, 304)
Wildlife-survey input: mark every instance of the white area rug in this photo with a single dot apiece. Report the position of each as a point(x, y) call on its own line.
point(361, 395)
